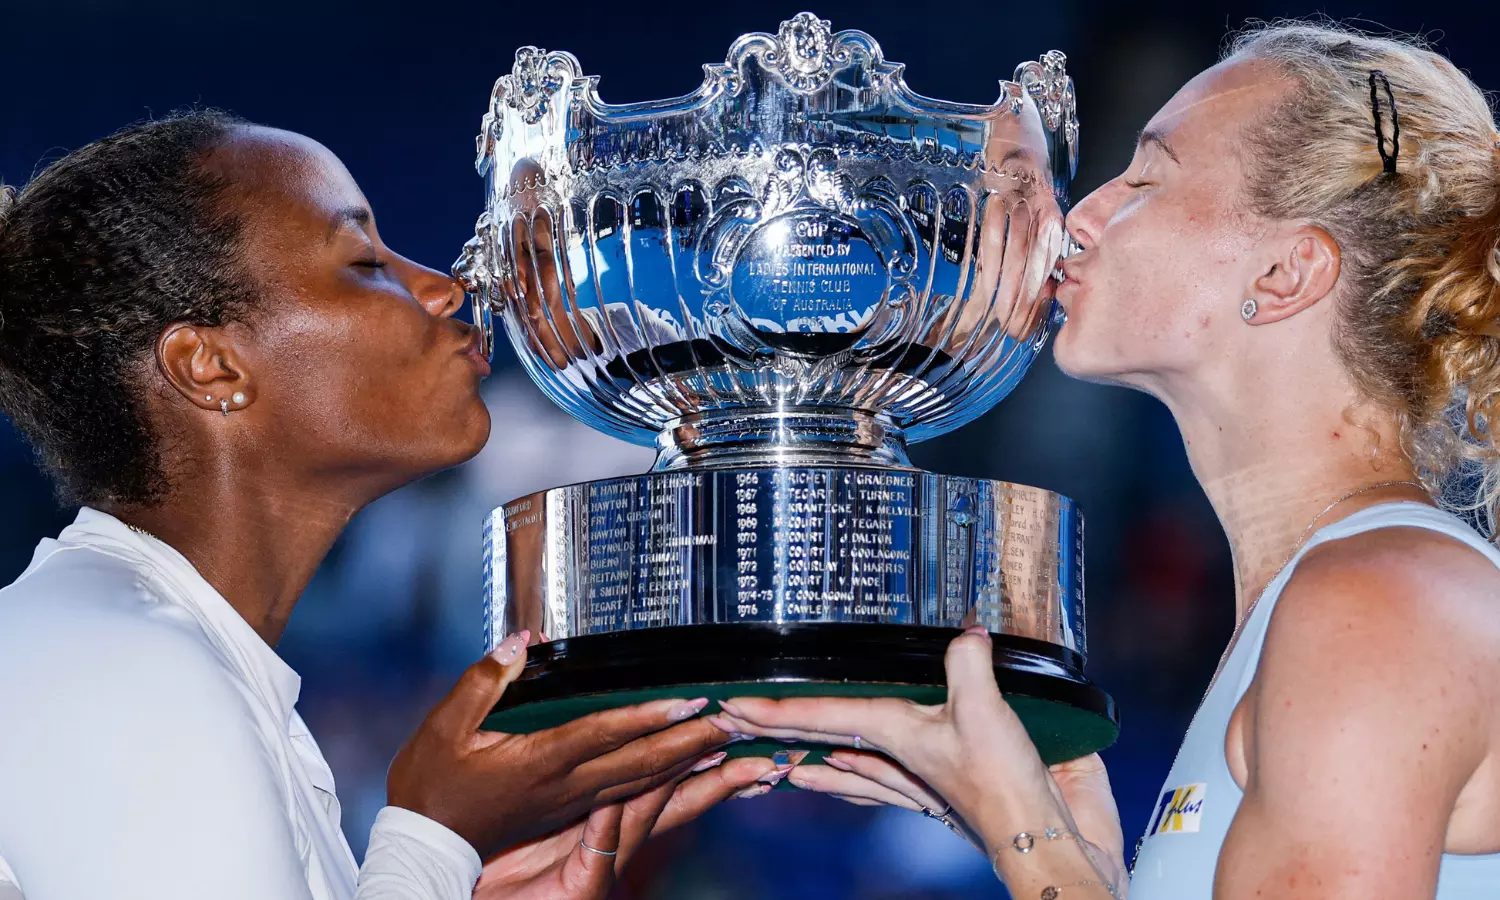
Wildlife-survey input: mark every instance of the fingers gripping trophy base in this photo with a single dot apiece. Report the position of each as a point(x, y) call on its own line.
point(792, 581)
point(1066, 715)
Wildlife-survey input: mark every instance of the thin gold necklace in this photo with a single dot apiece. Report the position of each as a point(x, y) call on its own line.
point(1240, 625)
point(1296, 548)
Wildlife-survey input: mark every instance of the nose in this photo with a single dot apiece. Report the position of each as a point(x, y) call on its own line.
point(440, 294)
point(1087, 217)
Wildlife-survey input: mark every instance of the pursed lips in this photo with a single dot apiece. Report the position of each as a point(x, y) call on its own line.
point(1067, 290)
point(471, 349)
point(1070, 271)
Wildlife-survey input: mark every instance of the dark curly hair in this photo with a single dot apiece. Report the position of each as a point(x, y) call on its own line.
point(98, 254)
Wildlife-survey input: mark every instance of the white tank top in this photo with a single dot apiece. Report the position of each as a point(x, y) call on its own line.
point(1180, 850)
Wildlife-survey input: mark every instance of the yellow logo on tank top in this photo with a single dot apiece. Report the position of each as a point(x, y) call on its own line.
point(1179, 811)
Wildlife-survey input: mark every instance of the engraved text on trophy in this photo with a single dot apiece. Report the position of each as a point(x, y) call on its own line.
point(808, 273)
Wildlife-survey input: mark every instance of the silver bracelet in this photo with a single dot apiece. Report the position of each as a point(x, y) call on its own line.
point(1025, 842)
point(1053, 891)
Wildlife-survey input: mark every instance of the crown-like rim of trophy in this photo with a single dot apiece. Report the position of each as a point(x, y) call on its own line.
point(804, 57)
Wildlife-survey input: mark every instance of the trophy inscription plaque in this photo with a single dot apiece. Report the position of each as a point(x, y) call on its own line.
point(780, 281)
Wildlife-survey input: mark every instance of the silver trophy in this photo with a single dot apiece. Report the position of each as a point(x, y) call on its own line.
point(780, 281)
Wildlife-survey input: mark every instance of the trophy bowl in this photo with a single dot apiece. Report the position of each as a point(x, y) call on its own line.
point(780, 281)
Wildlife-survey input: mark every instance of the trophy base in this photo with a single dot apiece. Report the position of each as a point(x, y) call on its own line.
point(1065, 714)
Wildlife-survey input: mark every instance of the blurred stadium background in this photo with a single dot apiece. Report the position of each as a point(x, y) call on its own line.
point(397, 89)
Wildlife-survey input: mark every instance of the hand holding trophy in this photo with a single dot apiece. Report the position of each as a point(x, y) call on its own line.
point(779, 281)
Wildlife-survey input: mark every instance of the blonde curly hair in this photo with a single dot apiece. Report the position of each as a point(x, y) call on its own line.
point(1419, 323)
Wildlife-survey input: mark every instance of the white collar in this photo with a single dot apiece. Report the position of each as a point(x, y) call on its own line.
point(277, 683)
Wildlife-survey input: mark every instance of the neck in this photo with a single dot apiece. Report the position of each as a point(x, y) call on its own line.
point(255, 537)
point(1273, 463)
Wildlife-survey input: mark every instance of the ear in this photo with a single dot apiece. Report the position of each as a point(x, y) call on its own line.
point(1304, 273)
point(205, 367)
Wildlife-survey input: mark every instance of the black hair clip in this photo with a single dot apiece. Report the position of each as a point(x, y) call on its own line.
point(1388, 157)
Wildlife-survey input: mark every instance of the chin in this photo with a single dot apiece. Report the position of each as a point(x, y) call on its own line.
point(1067, 352)
point(477, 432)
point(457, 437)
point(1077, 357)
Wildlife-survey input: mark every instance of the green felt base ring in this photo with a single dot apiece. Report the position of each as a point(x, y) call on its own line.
point(1060, 731)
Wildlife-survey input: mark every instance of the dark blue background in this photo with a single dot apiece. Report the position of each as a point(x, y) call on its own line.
point(397, 89)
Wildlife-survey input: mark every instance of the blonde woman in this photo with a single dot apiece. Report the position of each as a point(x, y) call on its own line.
point(1301, 263)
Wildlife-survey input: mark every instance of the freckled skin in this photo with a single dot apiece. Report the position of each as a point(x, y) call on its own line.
point(1132, 297)
point(1381, 666)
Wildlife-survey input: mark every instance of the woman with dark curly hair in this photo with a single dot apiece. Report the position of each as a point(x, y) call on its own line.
point(213, 352)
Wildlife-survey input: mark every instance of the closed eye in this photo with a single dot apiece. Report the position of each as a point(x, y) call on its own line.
point(369, 263)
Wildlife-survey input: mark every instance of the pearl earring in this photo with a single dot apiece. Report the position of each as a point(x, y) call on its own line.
point(1248, 309)
point(239, 398)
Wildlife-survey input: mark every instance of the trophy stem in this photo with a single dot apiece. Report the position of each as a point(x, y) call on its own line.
point(797, 436)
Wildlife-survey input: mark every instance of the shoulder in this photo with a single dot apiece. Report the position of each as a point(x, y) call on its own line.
point(1370, 711)
point(129, 746)
point(1387, 640)
point(84, 636)
point(1393, 596)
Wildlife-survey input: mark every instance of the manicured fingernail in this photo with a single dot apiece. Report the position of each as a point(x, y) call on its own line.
point(686, 709)
point(774, 778)
point(708, 762)
point(755, 791)
point(735, 737)
point(976, 629)
point(510, 648)
point(838, 763)
point(730, 708)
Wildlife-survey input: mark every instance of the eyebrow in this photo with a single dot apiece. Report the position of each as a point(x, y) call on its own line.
point(357, 216)
point(1152, 136)
point(1016, 153)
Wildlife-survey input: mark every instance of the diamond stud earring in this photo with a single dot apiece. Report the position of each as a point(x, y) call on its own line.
point(1248, 309)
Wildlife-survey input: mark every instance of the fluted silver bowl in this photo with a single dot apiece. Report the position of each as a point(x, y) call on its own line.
point(802, 261)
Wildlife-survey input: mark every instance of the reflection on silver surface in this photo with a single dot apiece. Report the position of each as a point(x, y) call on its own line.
point(802, 232)
point(888, 546)
point(779, 281)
